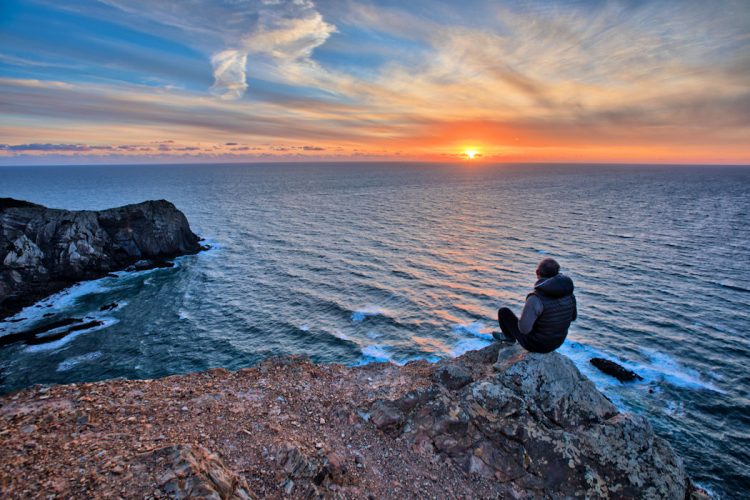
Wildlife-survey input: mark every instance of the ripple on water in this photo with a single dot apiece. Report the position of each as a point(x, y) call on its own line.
point(354, 265)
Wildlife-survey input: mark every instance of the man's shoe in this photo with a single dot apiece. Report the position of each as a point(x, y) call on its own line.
point(502, 337)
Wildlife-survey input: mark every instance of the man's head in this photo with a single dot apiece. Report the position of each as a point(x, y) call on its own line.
point(547, 268)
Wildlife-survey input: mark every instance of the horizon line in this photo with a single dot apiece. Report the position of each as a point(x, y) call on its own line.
point(475, 163)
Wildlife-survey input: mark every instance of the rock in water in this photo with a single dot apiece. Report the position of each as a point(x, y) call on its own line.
point(43, 250)
point(618, 371)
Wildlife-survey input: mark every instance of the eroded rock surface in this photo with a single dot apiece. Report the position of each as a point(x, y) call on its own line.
point(43, 250)
point(494, 423)
point(185, 471)
point(540, 426)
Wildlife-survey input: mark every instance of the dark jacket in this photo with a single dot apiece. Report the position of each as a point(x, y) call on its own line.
point(548, 312)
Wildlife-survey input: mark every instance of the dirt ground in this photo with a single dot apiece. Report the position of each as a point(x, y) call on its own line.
point(284, 428)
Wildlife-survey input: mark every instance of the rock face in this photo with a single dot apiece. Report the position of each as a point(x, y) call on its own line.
point(43, 250)
point(539, 426)
point(194, 472)
point(494, 423)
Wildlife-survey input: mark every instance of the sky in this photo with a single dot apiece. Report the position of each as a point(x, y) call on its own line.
point(149, 81)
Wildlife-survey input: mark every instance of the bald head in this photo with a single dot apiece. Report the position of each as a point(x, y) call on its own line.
point(547, 268)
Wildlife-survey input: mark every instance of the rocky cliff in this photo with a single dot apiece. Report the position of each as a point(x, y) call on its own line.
point(498, 422)
point(43, 250)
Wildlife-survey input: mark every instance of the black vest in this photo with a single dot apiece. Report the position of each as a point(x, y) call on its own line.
point(551, 328)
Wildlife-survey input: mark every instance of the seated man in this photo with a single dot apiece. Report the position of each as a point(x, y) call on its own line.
point(548, 312)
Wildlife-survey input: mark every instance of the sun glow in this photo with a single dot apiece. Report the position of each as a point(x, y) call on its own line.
point(471, 154)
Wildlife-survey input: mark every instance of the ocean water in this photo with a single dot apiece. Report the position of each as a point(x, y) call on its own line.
point(358, 263)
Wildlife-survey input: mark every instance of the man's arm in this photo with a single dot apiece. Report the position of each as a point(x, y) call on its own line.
point(531, 311)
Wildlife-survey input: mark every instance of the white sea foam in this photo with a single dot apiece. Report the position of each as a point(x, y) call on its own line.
point(381, 354)
point(70, 363)
point(340, 335)
point(305, 327)
point(376, 353)
point(465, 345)
point(668, 369)
point(675, 409)
point(58, 302)
point(359, 315)
point(476, 329)
point(54, 345)
point(660, 368)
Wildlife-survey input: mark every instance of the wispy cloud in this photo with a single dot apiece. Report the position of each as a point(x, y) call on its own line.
point(531, 80)
point(230, 79)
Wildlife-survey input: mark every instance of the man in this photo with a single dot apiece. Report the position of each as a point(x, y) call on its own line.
point(548, 312)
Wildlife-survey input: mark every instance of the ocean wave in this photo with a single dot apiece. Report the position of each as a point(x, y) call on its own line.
point(57, 344)
point(359, 315)
point(668, 369)
point(733, 286)
point(476, 329)
point(661, 367)
point(465, 345)
point(379, 353)
point(71, 363)
point(60, 301)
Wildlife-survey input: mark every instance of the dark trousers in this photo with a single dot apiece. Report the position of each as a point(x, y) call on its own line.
point(509, 326)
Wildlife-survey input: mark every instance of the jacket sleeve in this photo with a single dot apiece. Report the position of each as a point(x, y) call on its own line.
point(531, 312)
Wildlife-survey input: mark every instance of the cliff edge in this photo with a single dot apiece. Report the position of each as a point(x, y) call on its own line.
point(43, 250)
point(498, 422)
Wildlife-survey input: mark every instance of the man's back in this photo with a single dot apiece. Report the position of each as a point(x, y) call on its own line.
point(548, 312)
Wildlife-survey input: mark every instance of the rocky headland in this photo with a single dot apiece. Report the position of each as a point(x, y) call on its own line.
point(499, 422)
point(43, 250)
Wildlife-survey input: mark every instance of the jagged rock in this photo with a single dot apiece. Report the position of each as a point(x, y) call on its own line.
point(43, 250)
point(614, 369)
point(147, 265)
point(190, 471)
point(516, 431)
point(108, 307)
point(453, 376)
point(540, 426)
point(32, 333)
point(307, 476)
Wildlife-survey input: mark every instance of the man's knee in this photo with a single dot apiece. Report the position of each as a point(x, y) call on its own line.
point(504, 312)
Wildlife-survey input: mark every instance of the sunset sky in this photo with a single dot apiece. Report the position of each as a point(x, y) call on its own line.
point(128, 81)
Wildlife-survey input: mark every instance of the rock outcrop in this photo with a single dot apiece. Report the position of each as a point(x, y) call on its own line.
point(615, 370)
point(539, 425)
point(43, 250)
point(493, 423)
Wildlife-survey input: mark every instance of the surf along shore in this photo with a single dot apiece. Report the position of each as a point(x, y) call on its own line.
point(493, 422)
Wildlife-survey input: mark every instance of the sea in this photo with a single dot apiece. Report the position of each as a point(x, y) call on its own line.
point(361, 263)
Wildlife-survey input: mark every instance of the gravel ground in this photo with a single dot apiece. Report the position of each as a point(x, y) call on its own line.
point(284, 428)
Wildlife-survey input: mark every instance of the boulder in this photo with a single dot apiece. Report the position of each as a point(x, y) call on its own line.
point(453, 376)
point(538, 425)
point(43, 250)
point(191, 471)
point(615, 370)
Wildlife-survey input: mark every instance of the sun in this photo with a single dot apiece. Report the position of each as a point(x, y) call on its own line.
point(471, 154)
